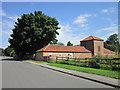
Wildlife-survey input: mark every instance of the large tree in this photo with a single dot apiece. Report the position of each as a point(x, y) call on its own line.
point(32, 32)
point(112, 43)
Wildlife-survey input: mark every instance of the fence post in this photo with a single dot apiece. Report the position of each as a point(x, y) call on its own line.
point(47, 59)
point(56, 59)
point(67, 58)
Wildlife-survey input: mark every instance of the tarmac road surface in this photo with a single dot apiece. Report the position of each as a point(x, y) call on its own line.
point(17, 74)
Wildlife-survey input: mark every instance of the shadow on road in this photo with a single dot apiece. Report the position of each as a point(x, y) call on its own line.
point(5, 58)
point(10, 59)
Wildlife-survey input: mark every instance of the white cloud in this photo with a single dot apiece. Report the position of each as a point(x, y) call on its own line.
point(82, 19)
point(14, 18)
point(7, 24)
point(66, 33)
point(108, 10)
point(111, 28)
point(105, 10)
point(6, 32)
point(2, 13)
point(7, 27)
point(107, 31)
point(2, 33)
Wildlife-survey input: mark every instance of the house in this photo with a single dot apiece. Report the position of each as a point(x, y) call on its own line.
point(89, 47)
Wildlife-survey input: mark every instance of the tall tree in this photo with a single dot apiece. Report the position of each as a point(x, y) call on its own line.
point(32, 32)
point(69, 43)
point(112, 43)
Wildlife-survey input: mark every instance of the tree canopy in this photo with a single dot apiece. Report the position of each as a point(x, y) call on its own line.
point(112, 43)
point(69, 43)
point(33, 31)
point(54, 42)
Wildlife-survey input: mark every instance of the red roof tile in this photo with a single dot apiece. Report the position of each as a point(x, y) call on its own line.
point(107, 51)
point(92, 38)
point(60, 48)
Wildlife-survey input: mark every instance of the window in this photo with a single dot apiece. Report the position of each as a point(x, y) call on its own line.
point(98, 48)
point(50, 54)
point(70, 54)
point(60, 54)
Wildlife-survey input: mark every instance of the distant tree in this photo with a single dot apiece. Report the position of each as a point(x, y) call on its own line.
point(1, 52)
point(32, 32)
point(9, 51)
point(60, 43)
point(113, 40)
point(112, 43)
point(69, 44)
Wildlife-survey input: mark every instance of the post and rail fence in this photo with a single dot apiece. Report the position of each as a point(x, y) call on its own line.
point(101, 63)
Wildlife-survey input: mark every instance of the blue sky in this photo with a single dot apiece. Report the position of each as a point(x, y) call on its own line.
point(77, 20)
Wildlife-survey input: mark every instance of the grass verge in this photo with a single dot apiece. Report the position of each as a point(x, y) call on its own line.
point(107, 73)
point(37, 61)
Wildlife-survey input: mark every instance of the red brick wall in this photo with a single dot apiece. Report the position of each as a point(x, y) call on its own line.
point(96, 46)
point(88, 45)
point(74, 55)
point(92, 45)
point(39, 56)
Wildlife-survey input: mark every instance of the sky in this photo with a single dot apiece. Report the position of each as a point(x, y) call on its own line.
point(77, 20)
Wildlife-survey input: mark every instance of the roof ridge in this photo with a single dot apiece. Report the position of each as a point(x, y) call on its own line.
point(92, 37)
point(64, 48)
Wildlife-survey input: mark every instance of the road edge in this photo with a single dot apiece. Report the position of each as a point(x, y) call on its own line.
point(73, 74)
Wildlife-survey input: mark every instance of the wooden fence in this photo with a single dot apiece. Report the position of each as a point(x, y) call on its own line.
point(102, 63)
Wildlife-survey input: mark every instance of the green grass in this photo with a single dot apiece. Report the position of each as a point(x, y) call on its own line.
point(108, 73)
point(37, 61)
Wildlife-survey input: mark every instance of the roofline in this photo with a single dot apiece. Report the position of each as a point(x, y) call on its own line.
point(64, 51)
point(91, 40)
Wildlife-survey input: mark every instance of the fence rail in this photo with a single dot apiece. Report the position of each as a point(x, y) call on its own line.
point(102, 63)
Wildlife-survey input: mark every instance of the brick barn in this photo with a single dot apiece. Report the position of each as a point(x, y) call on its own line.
point(89, 47)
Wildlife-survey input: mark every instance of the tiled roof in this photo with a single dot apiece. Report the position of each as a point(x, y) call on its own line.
point(107, 51)
point(92, 38)
point(60, 48)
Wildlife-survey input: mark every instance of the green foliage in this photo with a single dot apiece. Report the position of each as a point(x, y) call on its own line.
point(60, 43)
point(9, 51)
point(93, 64)
point(69, 44)
point(108, 73)
point(54, 42)
point(112, 43)
point(36, 61)
point(32, 32)
point(2, 52)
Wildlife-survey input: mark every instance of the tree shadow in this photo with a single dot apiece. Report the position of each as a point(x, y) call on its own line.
point(10, 59)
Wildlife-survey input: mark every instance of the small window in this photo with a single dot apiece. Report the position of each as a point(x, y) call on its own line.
point(98, 48)
point(70, 54)
point(50, 54)
point(60, 54)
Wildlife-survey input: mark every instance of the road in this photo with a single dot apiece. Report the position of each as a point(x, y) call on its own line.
point(17, 74)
